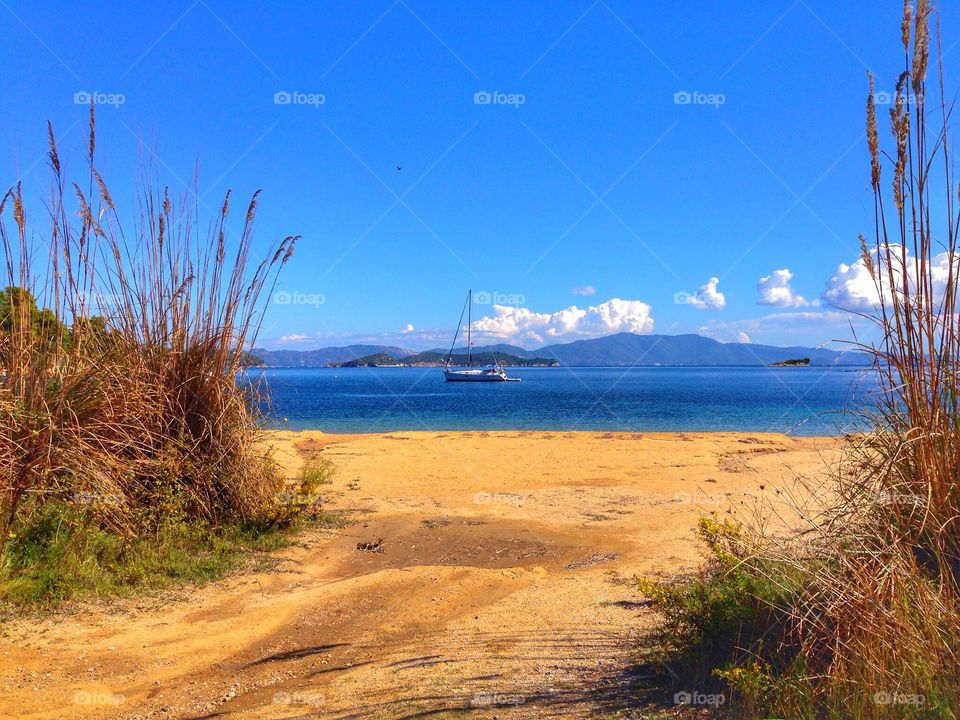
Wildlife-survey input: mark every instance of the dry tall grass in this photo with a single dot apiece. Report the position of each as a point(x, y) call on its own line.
point(857, 614)
point(877, 623)
point(884, 614)
point(121, 394)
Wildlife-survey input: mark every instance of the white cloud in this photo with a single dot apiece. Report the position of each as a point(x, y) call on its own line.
point(708, 297)
point(408, 329)
point(522, 324)
point(775, 290)
point(295, 337)
point(743, 337)
point(584, 291)
point(852, 287)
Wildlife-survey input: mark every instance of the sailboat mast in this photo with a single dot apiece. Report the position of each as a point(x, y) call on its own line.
point(469, 324)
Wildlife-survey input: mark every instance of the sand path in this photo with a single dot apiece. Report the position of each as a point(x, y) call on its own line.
point(503, 588)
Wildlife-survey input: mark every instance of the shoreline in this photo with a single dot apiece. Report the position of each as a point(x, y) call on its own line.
point(528, 432)
point(525, 432)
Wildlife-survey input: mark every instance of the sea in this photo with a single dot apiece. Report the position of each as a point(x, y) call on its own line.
point(796, 401)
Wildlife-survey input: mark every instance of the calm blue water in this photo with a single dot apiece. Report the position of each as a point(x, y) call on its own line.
point(800, 401)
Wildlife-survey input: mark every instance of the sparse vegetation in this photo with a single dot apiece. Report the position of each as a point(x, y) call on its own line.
point(61, 553)
point(857, 615)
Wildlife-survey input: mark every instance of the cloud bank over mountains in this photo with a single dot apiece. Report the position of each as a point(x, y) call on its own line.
point(851, 287)
point(520, 324)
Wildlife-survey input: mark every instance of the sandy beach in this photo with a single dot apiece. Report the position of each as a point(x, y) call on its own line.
point(502, 587)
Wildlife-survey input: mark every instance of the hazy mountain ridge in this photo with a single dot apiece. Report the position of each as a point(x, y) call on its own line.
point(322, 357)
point(621, 349)
point(432, 358)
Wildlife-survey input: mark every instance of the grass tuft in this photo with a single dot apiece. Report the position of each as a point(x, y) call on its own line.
point(129, 451)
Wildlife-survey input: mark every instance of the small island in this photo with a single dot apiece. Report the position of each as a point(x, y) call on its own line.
point(435, 359)
point(794, 362)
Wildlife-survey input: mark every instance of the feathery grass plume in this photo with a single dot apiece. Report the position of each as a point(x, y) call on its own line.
point(905, 25)
point(866, 255)
point(119, 361)
point(900, 129)
point(52, 151)
point(921, 46)
point(873, 142)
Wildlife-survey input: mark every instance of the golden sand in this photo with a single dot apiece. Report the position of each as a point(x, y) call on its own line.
point(503, 584)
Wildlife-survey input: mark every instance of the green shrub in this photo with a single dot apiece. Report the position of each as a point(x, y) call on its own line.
point(724, 615)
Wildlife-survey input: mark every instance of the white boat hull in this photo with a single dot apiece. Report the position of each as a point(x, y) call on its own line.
point(474, 375)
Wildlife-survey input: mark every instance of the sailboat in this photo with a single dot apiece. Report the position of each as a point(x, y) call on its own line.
point(489, 373)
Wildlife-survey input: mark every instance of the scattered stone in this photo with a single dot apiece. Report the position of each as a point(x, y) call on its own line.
point(372, 546)
point(594, 559)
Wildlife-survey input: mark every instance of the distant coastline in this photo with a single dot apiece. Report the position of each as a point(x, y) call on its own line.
point(619, 350)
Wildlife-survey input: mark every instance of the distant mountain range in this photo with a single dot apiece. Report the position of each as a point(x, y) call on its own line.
point(326, 356)
point(610, 351)
point(432, 358)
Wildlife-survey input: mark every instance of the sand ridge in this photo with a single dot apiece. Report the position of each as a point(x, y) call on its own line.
point(503, 585)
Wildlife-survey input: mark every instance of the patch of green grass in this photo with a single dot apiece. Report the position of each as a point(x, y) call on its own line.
point(60, 554)
point(726, 604)
point(61, 550)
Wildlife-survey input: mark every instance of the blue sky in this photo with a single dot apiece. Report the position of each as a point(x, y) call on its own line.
point(586, 179)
